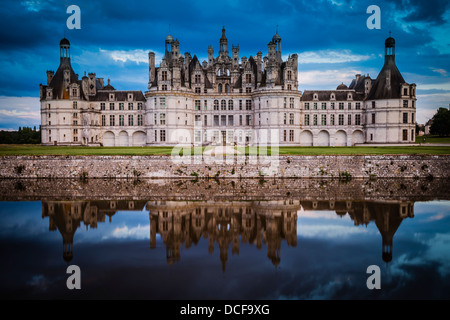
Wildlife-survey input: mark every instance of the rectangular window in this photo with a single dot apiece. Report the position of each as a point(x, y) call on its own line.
point(248, 120)
point(291, 135)
point(284, 135)
point(405, 117)
point(248, 90)
point(284, 118)
point(341, 106)
point(130, 106)
point(405, 103)
point(139, 105)
point(412, 118)
point(324, 106)
point(332, 119)
point(102, 106)
point(162, 135)
point(341, 120)
point(373, 118)
point(230, 105)
point(306, 105)
point(315, 120)
point(291, 103)
point(285, 102)
point(112, 120)
point(357, 119)
point(223, 120)
point(121, 106)
point(75, 115)
point(164, 87)
point(358, 106)
point(315, 105)
point(412, 104)
point(162, 103)
point(248, 104)
point(205, 104)
point(349, 106)
point(198, 90)
point(240, 104)
point(216, 104)
point(306, 119)
point(240, 120)
point(140, 122)
point(405, 135)
point(130, 120)
point(216, 120)
point(121, 120)
point(162, 118)
point(111, 106)
point(231, 120)
point(324, 119)
point(164, 76)
point(332, 105)
point(373, 104)
point(349, 120)
point(291, 118)
point(74, 105)
point(103, 120)
point(205, 123)
point(197, 104)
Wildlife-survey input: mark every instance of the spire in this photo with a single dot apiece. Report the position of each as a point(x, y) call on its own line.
point(223, 43)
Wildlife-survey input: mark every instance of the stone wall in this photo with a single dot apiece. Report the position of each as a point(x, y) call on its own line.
point(344, 167)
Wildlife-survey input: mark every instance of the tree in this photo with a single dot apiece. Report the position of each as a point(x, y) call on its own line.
point(441, 123)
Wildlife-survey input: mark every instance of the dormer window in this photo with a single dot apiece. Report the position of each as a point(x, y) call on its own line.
point(111, 97)
point(332, 96)
point(315, 97)
point(349, 97)
point(130, 96)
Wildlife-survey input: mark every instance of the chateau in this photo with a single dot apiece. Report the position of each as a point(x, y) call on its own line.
point(226, 100)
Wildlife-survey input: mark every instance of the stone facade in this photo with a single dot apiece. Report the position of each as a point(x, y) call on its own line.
point(226, 100)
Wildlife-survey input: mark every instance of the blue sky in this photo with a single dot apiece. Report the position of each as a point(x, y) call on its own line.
point(330, 37)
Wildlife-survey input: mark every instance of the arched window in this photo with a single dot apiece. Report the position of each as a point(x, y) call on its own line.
point(230, 104)
point(228, 72)
point(220, 88)
point(227, 88)
point(219, 72)
point(223, 105)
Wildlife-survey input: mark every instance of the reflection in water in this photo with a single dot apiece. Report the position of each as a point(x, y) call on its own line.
point(225, 223)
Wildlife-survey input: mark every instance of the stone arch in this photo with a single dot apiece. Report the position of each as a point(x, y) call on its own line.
point(306, 138)
point(139, 138)
point(123, 139)
point(357, 137)
point(323, 139)
point(109, 139)
point(340, 138)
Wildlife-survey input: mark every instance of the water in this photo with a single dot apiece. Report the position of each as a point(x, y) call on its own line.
point(225, 239)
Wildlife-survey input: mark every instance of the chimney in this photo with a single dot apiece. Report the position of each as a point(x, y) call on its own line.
point(50, 75)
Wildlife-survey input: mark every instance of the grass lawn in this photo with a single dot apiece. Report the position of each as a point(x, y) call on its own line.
point(6, 150)
point(433, 139)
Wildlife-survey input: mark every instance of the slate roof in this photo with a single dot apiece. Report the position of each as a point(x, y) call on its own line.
point(381, 89)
